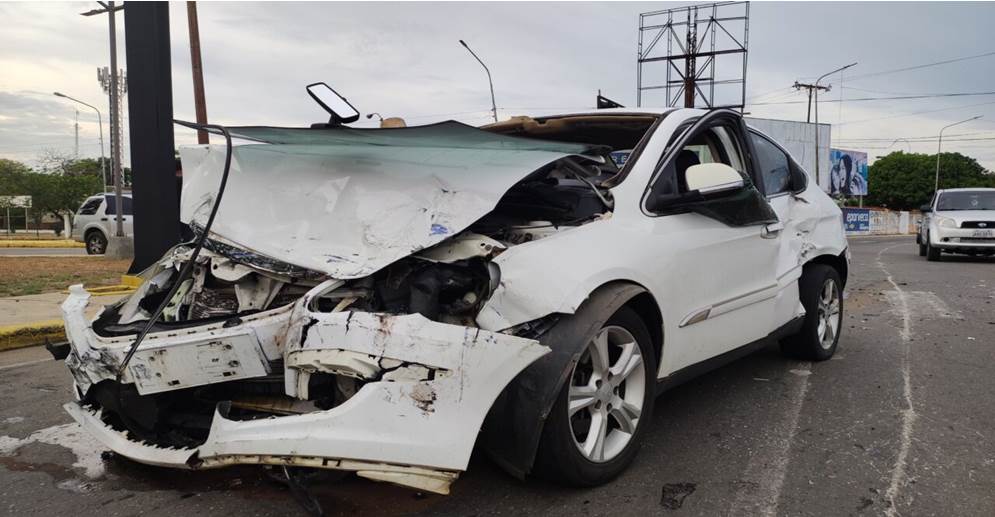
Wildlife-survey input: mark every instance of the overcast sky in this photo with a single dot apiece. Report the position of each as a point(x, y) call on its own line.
point(404, 59)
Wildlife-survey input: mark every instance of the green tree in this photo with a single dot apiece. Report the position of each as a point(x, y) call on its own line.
point(905, 181)
point(12, 177)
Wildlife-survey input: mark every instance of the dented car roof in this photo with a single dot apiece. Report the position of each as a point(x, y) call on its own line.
point(347, 202)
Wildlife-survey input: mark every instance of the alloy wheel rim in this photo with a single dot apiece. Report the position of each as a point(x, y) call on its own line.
point(94, 245)
point(829, 314)
point(606, 395)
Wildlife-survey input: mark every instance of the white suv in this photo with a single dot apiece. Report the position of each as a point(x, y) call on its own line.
point(95, 220)
point(958, 220)
point(381, 300)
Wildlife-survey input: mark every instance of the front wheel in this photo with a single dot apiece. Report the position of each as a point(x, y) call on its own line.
point(932, 252)
point(596, 425)
point(96, 243)
point(821, 293)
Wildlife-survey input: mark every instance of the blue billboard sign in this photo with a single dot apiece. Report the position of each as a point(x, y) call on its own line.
point(857, 219)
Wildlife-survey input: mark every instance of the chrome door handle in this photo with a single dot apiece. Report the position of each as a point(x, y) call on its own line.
point(772, 230)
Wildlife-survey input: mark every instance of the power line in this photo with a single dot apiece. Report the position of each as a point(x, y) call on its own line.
point(900, 115)
point(913, 138)
point(886, 92)
point(917, 67)
point(900, 97)
point(783, 88)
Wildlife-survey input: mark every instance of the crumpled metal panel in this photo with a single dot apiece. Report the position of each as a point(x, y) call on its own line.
point(347, 207)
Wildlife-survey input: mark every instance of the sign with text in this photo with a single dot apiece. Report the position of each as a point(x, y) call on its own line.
point(15, 201)
point(857, 219)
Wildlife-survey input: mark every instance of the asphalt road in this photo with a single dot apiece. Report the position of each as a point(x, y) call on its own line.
point(41, 251)
point(900, 422)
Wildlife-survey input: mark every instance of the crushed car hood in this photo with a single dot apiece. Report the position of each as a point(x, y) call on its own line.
point(347, 202)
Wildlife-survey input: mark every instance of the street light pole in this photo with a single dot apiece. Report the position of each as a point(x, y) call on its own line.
point(823, 76)
point(100, 124)
point(110, 9)
point(939, 145)
point(474, 54)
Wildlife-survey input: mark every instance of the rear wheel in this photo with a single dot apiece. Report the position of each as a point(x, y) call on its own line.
point(922, 249)
point(96, 243)
point(821, 293)
point(596, 425)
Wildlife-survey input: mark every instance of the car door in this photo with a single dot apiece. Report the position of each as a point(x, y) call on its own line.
point(780, 179)
point(719, 282)
point(110, 215)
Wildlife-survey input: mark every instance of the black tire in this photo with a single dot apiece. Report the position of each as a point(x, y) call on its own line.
point(809, 343)
point(932, 252)
point(922, 250)
point(559, 457)
point(96, 243)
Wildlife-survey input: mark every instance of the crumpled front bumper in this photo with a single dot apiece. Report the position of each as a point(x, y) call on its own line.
point(427, 387)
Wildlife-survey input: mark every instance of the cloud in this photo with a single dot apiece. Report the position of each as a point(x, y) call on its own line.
point(403, 59)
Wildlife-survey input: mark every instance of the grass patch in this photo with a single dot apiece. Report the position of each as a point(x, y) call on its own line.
point(35, 275)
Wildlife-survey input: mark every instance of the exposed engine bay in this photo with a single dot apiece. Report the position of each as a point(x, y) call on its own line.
point(445, 282)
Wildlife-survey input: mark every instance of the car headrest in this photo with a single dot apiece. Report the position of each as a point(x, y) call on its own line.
point(685, 159)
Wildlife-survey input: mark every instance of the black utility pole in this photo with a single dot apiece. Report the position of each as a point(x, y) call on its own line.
point(150, 109)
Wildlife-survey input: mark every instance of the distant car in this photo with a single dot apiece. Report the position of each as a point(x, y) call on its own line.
point(94, 221)
point(959, 220)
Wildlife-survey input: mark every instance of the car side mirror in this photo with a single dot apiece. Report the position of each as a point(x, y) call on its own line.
point(338, 108)
point(713, 178)
point(925, 208)
point(703, 181)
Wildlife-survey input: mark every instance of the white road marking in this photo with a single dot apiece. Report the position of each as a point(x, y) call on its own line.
point(25, 363)
point(769, 461)
point(71, 436)
point(899, 474)
point(921, 305)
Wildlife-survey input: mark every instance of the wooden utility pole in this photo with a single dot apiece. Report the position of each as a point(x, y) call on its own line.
point(198, 71)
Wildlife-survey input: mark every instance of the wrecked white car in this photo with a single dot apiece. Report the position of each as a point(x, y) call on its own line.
point(383, 300)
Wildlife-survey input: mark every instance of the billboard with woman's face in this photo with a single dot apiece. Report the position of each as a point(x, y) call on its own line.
point(848, 173)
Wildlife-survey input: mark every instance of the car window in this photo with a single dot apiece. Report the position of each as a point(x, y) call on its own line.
point(112, 205)
point(90, 206)
point(967, 200)
point(775, 170)
point(713, 145)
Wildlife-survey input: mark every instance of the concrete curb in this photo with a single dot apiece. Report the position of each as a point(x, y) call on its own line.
point(54, 243)
point(37, 333)
point(30, 334)
point(881, 235)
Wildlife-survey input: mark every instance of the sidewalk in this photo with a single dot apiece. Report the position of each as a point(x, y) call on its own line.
point(30, 320)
